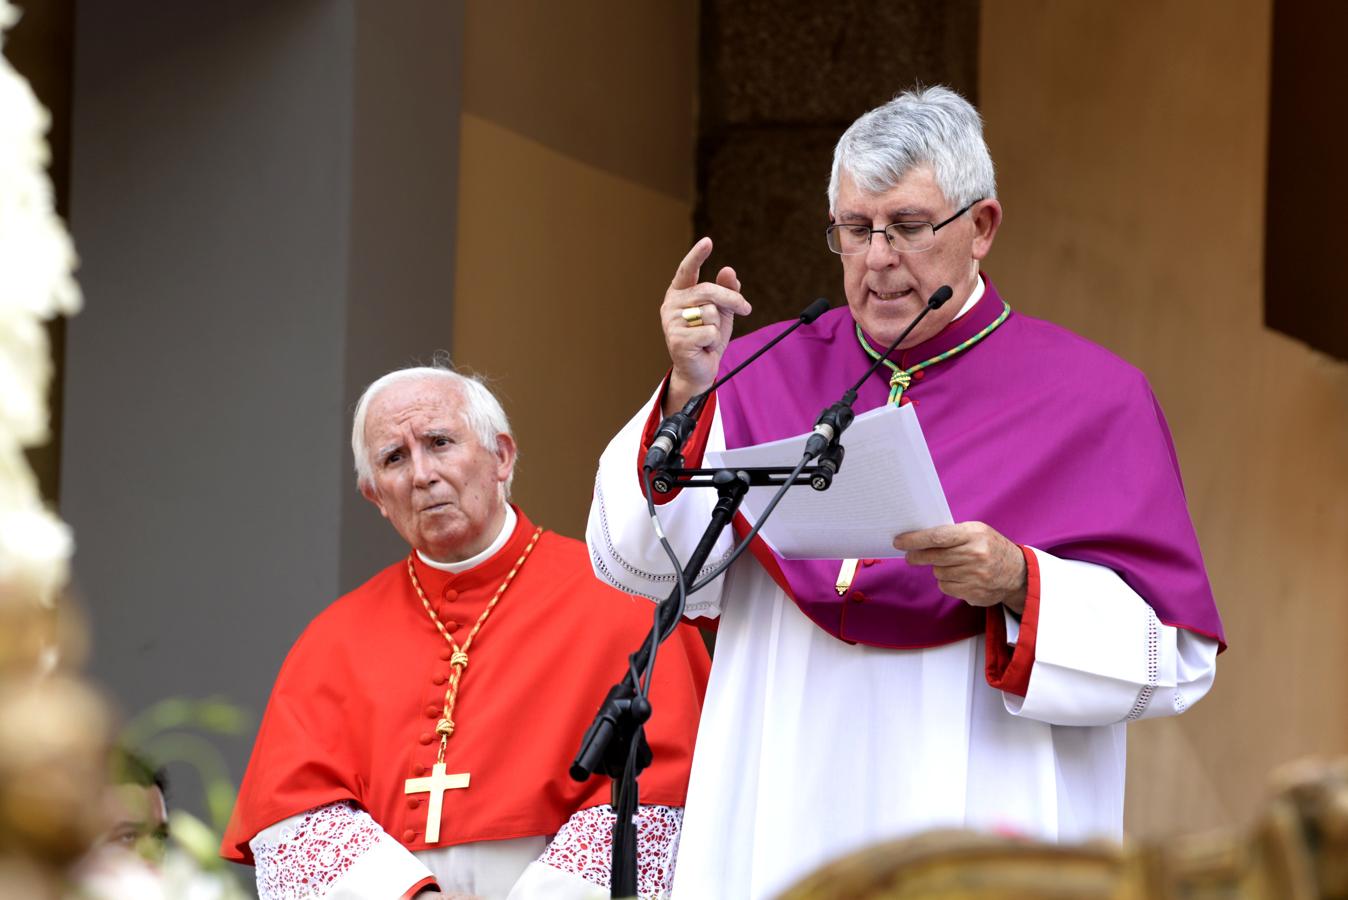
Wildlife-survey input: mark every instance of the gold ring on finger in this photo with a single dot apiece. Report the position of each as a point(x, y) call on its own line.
point(692, 315)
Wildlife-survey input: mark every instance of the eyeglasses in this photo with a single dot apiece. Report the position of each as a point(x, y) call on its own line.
point(905, 237)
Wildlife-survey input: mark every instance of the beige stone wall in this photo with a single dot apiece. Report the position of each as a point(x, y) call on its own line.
point(1130, 142)
point(575, 205)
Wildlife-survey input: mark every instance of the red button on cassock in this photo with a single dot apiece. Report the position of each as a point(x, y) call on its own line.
point(919, 374)
point(439, 679)
point(446, 654)
point(413, 802)
point(409, 836)
point(451, 627)
point(449, 594)
point(858, 597)
point(418, 771)
point(869, 562)
point(432, 712)
point(427, 737)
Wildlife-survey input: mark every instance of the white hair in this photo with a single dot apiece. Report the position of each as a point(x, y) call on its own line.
point(926, 126)
point(481, 412)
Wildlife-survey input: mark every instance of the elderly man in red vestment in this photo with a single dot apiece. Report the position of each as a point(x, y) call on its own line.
point(388, 766)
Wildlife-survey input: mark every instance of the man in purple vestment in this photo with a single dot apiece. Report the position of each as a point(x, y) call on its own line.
point(983, 681)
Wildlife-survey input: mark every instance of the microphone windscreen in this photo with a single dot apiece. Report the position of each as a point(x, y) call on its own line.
point(814, 310)
point(940, 296)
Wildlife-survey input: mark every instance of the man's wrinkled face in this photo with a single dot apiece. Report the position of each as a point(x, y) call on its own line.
point(430, 477)
point(887, 289)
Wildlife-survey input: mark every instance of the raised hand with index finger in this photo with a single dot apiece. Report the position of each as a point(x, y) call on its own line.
point(697, 318)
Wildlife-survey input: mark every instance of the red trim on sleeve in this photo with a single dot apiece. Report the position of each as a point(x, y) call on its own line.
point(428, 881)
point(692, 449)
point(1009, 670)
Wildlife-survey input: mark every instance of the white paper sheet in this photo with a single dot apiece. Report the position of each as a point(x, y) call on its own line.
point(887, 485)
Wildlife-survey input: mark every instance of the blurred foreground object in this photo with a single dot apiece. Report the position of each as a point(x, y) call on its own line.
point(36, 260)
point(53, 727)
point(1298, 850)
point(56, 799)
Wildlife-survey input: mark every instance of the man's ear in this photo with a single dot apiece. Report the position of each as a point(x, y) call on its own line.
point(506, 453)
point(368, 493)
point(987, 216)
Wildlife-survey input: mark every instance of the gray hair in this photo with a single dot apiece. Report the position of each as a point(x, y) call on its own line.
point(926, 126)
point(482, 413)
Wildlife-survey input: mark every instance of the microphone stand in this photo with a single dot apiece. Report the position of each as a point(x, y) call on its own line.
point(615, 743)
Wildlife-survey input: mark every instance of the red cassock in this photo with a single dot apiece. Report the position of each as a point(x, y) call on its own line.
point(352, 715)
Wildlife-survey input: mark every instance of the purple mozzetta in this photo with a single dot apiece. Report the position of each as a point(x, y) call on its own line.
point(1053, 441)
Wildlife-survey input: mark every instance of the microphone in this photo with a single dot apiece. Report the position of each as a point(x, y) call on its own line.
point(833, 421)
point(675, 429)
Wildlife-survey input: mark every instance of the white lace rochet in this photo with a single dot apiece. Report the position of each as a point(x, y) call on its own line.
point(304, 855)
point(338, 850)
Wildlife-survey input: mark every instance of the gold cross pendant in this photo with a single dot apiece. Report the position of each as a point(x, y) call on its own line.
point(436, 783)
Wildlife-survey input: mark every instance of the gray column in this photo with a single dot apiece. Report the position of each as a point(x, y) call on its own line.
point(780, 82)
point(263, 196)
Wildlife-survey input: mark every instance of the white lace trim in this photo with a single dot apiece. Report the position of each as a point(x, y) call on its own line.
point(584, 847)
point(632, 568)
point(1153, 667)
point(303, 856)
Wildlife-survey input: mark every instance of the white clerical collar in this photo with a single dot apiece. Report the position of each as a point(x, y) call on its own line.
point(974, 297)
point(507, 529)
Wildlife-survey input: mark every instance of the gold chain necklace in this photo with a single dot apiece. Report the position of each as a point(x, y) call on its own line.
point(458, 661)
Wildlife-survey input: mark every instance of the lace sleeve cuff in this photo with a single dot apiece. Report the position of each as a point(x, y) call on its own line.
point(334, 852)
point(584, 848)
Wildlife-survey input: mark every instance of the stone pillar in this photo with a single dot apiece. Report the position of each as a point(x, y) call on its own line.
point(780, 82)
point(263, 197)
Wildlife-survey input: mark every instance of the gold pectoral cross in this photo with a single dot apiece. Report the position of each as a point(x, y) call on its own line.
point(437, 783)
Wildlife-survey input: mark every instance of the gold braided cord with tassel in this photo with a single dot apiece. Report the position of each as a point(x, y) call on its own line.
point(458, 660)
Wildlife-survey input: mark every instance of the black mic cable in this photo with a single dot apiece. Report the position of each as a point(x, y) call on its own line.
point(675, 429)
point(673, 432)
point(829, 427)
point(833, 421)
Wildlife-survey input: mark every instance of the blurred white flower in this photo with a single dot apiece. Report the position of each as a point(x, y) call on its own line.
point(37, 259)
point(34, 549)
point(111, 873)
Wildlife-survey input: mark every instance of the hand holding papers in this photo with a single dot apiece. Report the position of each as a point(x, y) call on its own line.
point(887, 485)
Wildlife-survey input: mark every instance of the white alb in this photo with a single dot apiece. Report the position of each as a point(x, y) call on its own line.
point(810, 747)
